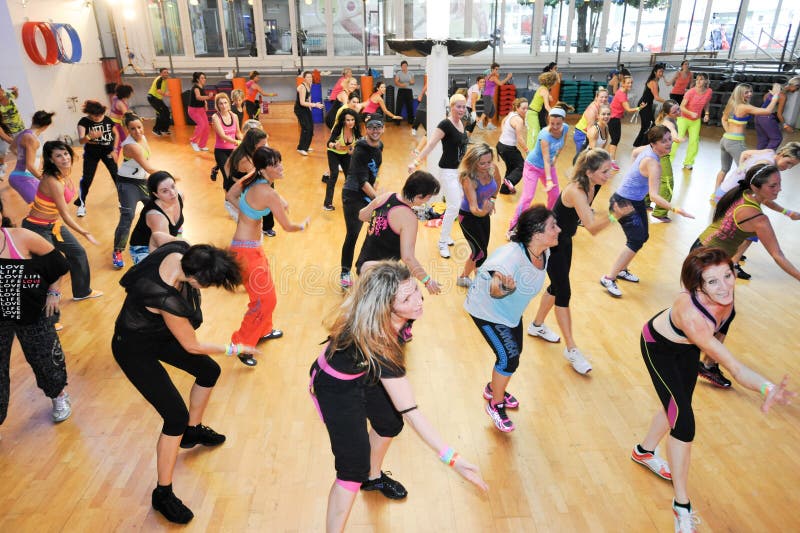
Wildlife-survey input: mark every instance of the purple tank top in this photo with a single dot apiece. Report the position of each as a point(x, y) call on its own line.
point(488, 90)
point(21, 152)
point(483, 192)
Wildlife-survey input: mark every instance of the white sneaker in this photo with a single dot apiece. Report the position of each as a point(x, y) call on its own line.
point(491, 126)
point(61, 408)
point(81, 211)
point(578, 361)
point(464, 281)
point(444, 251)
point(685, 521)
point(628, 276)
point(611, 287)
point(413, 132)
point(480, 125)
point(544, 332)
point(450, 241)
point(194, 147)
point(204, 149)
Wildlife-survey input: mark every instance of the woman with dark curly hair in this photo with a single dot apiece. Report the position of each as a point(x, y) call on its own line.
point(346, 131)
point(157, 325)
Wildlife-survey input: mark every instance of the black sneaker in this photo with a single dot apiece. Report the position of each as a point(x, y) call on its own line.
point(741, 274)
point(201, 434)
point(389, 487)
point(248, 359)
point(169, 505)
point(325, 178)
point(714, 375)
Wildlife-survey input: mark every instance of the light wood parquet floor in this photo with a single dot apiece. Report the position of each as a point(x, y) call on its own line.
point(565, 468)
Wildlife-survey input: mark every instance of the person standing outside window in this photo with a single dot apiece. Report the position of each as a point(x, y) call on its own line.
point(404, 81)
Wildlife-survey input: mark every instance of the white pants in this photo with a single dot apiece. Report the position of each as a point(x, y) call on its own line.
point(453, 194)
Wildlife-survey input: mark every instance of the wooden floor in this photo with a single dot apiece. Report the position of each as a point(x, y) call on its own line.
point(565, 468)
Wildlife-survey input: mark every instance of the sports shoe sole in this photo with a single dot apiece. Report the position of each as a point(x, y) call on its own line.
point(500, 427)
point(647, 466)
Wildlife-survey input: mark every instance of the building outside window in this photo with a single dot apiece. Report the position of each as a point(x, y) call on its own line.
point(277, 29)
point(206, 32)
point(240, 31)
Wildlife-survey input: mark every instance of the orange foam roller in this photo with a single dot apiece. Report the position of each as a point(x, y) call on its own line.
point(176, 101)
point(366, 87)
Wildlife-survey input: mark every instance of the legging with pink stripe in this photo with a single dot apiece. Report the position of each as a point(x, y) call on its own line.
point(530, 175)
point(201, 130)
point(673, 370)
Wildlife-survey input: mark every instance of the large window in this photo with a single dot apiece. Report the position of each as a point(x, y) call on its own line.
point(277, 29)
point(206, 33)
point(348, 27)
point(766, 27)
point(167, 30)
point(554, 27)
point(586, 26)
point(689, 35)
point(312, 23)
point(240, 31)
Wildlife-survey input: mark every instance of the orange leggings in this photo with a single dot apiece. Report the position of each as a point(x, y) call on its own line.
point(257, 321)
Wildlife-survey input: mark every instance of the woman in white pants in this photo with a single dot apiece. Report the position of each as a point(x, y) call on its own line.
point(450, 131)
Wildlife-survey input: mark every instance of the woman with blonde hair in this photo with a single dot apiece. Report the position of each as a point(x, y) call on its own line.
point(734, 119)
point(480, 181)
point(541, 104)
point(360, 375)
point(451, 132)
point(588, 118)
point(228, 134)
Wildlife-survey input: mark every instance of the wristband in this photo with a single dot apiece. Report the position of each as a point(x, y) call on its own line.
point(53, 292)
point(453, 460)
point(231, 349)
point(493, 200)
point(447, 455)
point(415, 162)
point(426, 279)
point(674, 209)
point(766, 388)
point(612, 218)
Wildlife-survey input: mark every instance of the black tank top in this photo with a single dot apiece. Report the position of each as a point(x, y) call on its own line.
point(297, 99)
point(381, 241)
point(141, 233)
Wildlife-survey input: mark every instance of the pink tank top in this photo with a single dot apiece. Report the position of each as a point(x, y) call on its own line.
point(230, 131)
point(12, 249)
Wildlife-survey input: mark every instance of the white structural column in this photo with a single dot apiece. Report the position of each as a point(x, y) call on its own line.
point(437, 68)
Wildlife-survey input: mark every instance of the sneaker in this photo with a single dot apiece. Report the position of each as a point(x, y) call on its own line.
point(116, 259)
point(614, 165)
point(328, 208)
point(664, 220)
point(543, 331)
point(656, 464)
point(509, 186)
point(464, 281)
point(714, 375)
point(480, 125)
point(203, 149)
point(302, 152)
point(247, 359)
point(62, 408)
point(628, 276)
point(201, 434)
point(444, 250)
point(508, 399)
point(741, 274)
point(157, 133)
point(413, 132)
point(688, 167)
point(310, 150)
point(686, 521)
point(274, 334)
point(491, 127)
point(81, 211)
point(93, 294)
point(194, 146)
point(498, 415)
point(165, 502)
point(325, 178)
point(214, 173)
point(269, 232)
point(611, 287)
point(578, 361)
point(345, 281)
point(389, 487)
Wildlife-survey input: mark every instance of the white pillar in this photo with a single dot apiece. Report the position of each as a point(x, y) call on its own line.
point(436, 69)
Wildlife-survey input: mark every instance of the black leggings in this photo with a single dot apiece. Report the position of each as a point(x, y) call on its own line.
point(558, 267)
point(352, 202)
point(646, 118)
point(306, 121)
point(42, 350)
point(405, 98)
point(615, 130)
point(91, 157)
point(253, 109)
point(513, 160)
point(421, 118)
point(140, 357)
point(162, 114)
point(334, 161)
point(221, 156)
point(673, 369)
point(476, 230)
point(345, 407)
point(506, 343)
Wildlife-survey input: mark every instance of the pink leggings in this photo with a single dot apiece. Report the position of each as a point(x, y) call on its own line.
point(530, 174)
point(198, 115)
